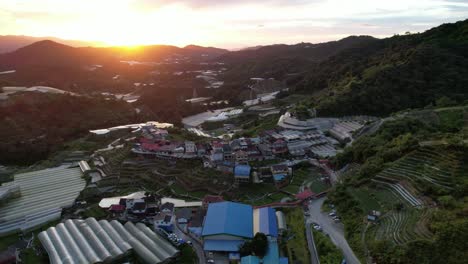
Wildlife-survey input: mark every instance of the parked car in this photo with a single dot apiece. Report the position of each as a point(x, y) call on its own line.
point(317, 227)
point(332, 214)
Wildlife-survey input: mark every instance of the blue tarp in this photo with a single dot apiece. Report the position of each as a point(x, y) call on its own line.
point(222, 245)
point(267, 221)
point(229, 218)
point(279, 177)
point(283, 261)
point(242, 171)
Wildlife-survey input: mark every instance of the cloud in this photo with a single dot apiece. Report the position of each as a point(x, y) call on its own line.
point(227, 23)
point(197, 4)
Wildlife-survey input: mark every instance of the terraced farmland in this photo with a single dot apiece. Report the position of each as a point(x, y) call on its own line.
point(189, 178)
point(425, 167)
point(402, 226)
point(406, 180)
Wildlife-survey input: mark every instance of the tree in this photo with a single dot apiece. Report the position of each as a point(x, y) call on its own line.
point(258, 246)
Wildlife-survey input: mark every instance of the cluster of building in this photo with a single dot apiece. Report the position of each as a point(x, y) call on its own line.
point(159, 212)
point(341, 129)
point(221, 226)
point(229, 225)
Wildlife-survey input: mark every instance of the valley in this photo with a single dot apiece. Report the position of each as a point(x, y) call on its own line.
point(349, 151)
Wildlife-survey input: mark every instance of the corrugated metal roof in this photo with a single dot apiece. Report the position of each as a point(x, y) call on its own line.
point(222, 245)
point(265, 221)
point(229, 218)
point(43, 195)
point(242, 170)
point(90, 241)
point(250, 260)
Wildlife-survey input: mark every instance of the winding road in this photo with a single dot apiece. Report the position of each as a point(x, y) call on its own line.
point(314, 258)
point(196, 245)
point(334, 230)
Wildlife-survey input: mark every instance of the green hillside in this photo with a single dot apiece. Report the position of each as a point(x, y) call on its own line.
point(393, 74)
point(414, 171)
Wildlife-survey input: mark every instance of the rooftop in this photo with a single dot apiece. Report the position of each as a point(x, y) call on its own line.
point(222, 245)
point(230, 219)
point(43, 194)
point(90, 241)
point(242, 171)
point(264, 221)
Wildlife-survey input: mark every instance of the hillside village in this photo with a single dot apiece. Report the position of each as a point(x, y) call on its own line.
point(161, 192)
point(276, 160)
point(238, 169)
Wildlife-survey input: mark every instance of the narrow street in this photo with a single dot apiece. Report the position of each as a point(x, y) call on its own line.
point(334, 230)
point(196, 245)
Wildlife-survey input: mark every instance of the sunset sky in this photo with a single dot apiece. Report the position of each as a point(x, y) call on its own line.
point(222, 23)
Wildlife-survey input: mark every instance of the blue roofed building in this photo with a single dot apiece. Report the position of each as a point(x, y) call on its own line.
point(264, 221)
point(242, 173)
point(227, 225)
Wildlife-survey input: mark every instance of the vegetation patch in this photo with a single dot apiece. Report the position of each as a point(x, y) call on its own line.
point(297, 242)
point(328, 253)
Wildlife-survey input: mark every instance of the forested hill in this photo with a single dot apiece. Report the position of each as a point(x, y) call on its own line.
point(33, 125)
point(393, 74)
point(281, 60)
point(364, 75)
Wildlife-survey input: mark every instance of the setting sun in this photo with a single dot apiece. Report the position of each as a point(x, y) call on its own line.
point(229, 24)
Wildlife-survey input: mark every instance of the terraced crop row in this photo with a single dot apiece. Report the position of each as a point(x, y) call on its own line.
point(425, 167)
point(402, 226)
point(398, 189)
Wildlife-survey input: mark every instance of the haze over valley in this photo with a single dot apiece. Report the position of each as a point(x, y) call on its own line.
point(304, 134)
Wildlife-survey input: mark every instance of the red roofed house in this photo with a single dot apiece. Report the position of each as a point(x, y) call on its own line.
point(306, 194)
point(117, 208)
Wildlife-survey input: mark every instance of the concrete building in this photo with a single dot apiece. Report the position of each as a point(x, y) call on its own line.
point(190, 148)
point(242, 157)
point(242, 173)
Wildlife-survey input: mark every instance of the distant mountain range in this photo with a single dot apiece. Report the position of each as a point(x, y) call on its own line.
point(11, 43)
point(47, 53)
point(354, 75)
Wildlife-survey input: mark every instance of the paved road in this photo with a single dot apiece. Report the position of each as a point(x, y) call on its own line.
point(314, 258)
point(334, 230)
point(196, 245)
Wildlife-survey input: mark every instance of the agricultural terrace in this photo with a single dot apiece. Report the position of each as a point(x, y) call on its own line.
point(425, 168)
point(397, 193)
point(180, 177)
